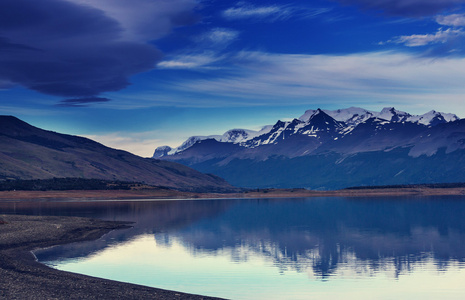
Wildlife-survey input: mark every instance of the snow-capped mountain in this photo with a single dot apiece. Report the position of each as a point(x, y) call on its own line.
point(353, 116)
point(320, 124)
point(234, 136)
point(333, 149)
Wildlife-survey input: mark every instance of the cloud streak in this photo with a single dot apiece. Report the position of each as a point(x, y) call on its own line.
point(207, 50)
point(406, 8)
point(217, 38)
point(82, 102)
point(455, 20)
point(246, 11)
point(389, 77)
point(441, 36)
point(443, 42)
point(81, 48)
point(137, 143)
point(191, 61)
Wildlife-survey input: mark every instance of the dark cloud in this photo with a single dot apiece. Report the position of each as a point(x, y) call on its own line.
point(407, 8)
point(81, 102)
point(71, 49)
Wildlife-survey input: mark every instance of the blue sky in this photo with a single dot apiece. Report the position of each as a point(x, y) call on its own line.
point(137, 74)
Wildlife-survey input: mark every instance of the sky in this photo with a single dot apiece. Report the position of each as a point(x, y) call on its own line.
point(138, 74)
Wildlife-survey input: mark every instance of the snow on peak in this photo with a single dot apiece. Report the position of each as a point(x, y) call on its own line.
point(164, 148)
point(351, 115)
point(161, 151)
point(349, 118)
point(347, 113)
point(393, 115)
point(315, 113)
point(191, 141)
point(448, 117)
point(307, 115)
point(310, 114)
point(433, 118)
point(236, 136)
point(265, 129)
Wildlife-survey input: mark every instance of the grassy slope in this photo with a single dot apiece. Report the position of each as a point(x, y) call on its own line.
point(28, 152)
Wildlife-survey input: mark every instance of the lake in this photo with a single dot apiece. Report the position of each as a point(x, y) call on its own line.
point(308, 248)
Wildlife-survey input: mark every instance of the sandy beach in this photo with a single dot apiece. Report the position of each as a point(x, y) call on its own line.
point(22, 277)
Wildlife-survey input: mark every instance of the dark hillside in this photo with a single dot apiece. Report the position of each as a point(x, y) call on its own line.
point(28, 152)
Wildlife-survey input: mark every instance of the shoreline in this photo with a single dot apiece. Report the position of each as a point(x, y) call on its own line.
point(23, 277)
point(82, 195)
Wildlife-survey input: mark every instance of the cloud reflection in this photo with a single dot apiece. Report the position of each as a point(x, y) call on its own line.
point(322, 237)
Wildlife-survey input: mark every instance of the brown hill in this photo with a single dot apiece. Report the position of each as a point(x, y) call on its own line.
point(28, 152)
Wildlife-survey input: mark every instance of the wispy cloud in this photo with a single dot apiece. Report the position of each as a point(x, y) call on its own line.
point(82, 102)
point(455, 20)
point(408, 8)
point(217, 37)
point(139, 143)
point(451, 37)
point(381, 76)
point(191, 61)
point(244, 10)
point(415, 40)
point(207, 50)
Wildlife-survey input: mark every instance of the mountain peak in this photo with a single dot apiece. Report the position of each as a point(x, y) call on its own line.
point(388, 109)
point(315, 122)
point(319, 114)
point(393, 115)
point(335, 148)
point(161, 151)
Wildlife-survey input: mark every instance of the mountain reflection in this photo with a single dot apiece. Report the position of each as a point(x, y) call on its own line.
point(325, 233)
point(321, 234)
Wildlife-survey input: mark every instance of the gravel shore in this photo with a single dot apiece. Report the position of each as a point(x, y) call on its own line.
point(22, 277)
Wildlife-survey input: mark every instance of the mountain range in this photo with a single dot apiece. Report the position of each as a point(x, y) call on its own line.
point(332, 149)
point(28, 152)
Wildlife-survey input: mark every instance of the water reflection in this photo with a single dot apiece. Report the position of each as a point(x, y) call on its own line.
point(323, 238)
point(325, 233)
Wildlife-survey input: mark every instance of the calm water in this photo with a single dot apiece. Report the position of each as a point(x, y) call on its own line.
point(315, 248)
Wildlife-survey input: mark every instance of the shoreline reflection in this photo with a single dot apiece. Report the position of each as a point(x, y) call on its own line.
point(324, 239)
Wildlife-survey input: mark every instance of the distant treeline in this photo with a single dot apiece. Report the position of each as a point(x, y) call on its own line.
point(404, 186)
point(61, 184)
